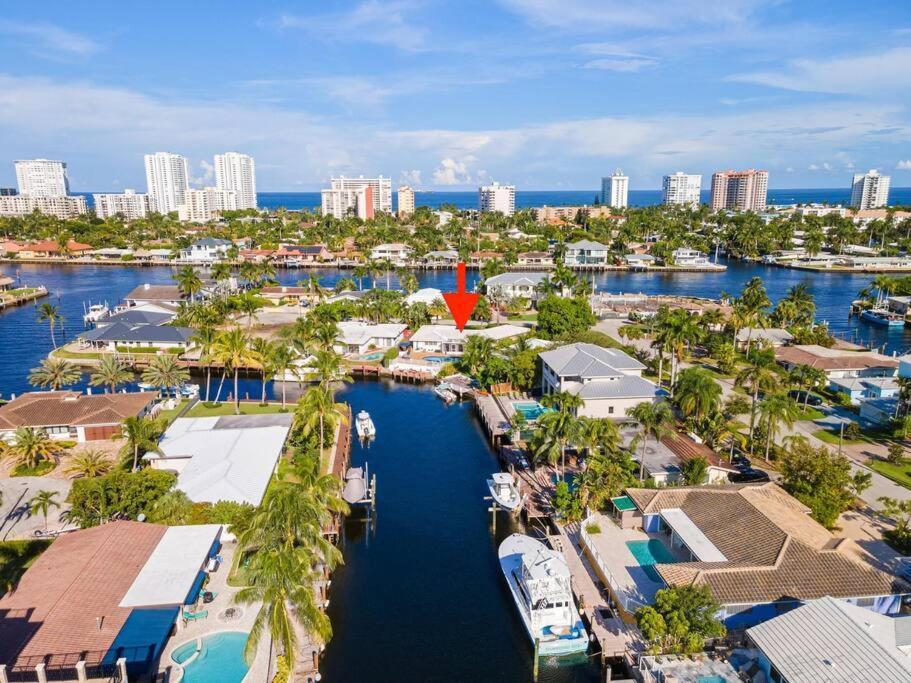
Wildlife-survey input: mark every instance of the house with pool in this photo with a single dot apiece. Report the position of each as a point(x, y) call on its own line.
point(754, 546)
point(516, 285)
point(101, 603)
point(608, 381)
point(357, 338)
point(445, 342)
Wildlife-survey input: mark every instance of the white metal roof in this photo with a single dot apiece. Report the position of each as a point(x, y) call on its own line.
point(692, 536)
point(173, 567)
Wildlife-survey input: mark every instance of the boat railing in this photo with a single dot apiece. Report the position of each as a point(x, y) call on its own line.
point(628, 603)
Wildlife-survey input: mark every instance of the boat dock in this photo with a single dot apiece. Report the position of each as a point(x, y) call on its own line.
point(492, 417)
point(17, 297)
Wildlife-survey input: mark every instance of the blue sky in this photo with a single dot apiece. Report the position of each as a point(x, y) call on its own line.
point(546, 94)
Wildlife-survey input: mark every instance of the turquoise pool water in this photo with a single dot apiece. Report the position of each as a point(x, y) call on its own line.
point(648, 553)
point(711, 679)
point(376, 355)
point(532, 410)
point(221, 659)
point(442, 359)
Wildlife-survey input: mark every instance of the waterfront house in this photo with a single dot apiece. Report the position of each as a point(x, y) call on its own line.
point(479, 258)
point(447, 340)
point(859, 388)
point(639, 261)
point(837, 362)
point(357, 337)
point(6, 283)
point(206, 250)
point(539, 259)
point(425, 295)
point(395, 252)
point(686, 448)
point(513, 285)
point(124, 338)
point(441, 258)
point(72, 416)
point(609, 381)
point(286, 294)
point(898, 304)
point(43, 249)
point(147, 314)
point(756, 548)
point(771, 336)
point(102, 602)
point(155, 294)
point(691, 258)
point(223, 458)
point(585, 253)
point(879, 411)
point(833, 640)
point(303, 254)
point(257, 255)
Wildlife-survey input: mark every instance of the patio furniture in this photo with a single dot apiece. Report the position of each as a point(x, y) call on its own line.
point(209, 596)
point(195, 616)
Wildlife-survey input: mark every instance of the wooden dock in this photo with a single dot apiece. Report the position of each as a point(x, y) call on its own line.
point(10, 298)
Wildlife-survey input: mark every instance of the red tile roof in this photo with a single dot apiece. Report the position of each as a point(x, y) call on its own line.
point(65, 408)
point(686, 449)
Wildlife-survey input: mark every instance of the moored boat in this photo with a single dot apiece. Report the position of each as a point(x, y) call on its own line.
point(504, 490)
point(539, 580)
point(444, 392)
point(96, 312)
point(882, 316)
point(364, 425)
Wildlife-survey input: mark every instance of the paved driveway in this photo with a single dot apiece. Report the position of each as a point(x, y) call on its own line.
point(16, 522)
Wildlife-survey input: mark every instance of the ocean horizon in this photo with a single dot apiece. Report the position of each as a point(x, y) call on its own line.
point(898, 196)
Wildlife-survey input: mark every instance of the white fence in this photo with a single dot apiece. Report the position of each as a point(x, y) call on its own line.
point(628, 603)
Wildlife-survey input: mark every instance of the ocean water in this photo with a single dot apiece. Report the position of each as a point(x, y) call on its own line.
point(531, 198)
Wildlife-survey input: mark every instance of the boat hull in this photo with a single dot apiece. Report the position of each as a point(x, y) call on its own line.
point(510, 505)
point(549, 645)
point(878, 320)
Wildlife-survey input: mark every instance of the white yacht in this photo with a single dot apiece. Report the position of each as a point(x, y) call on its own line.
point(364, 425)
point(504, 490)
point(539, 581)
point(444, 392)
point(96, 312)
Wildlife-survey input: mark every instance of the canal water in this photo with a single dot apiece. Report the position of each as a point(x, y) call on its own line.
point(24, 341)
point(421, 596)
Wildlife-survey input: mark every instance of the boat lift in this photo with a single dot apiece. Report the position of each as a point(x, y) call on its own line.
point(360, 490)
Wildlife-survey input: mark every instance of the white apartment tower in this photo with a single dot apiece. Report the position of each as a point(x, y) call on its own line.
point(237, 172)
point(129, 204)
point(615, 190)
point(167, 176)
point(740, 190)
point(681, 189)
point(343, 193)
point(42, 178)
point(870, 190)
point(497, 197)
point(201, 206)
point(406, 201)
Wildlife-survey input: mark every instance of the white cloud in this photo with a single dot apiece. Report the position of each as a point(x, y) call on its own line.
point(904, 165)
point(206, 174)
point(825, 166)
point(412, 177)
point(884, 71)
point(50, 37)
point(453, 171)
point(622, 65)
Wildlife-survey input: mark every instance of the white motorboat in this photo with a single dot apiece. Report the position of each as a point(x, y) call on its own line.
point(96, 312)
point(504, 490)
point(539, 580)
point(146, 386)
point(444, 392)
point(364, 425)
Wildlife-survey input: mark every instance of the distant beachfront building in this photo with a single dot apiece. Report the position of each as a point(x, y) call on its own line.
point(681, 189)
point(128, 204)
point(497, 197)
point(615, 190)
point(201, 206)
point(870, 190)
point(237, 172)
point(167, 177)
point(361, 196)
point(42, 178)
point(61, 207)
point(740, 190)
point(406, 201)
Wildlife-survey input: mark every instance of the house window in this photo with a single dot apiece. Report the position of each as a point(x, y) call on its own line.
point(866, 602)
point(610, 410)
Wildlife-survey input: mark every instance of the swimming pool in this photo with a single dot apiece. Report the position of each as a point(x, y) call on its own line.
point(376, 355)
point(220, 658)
point(648, 553)
point(532, 410)
point(442, 359)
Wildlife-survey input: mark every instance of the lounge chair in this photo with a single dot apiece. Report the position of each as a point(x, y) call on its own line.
point(195, 616)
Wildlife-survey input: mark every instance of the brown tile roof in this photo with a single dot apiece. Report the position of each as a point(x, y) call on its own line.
point(774, 550)
point(64, 408)
point(796, 355)
point(686, 449)
point(82, 577)
point(155, 293)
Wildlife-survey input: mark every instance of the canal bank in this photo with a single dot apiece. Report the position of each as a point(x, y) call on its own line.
point(421, 596)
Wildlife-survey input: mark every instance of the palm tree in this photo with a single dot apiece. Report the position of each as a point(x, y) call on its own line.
point(165, 372)
point(188, 282)
point(283, 362)
point(598, 434)
point(141, 435)
point(42, 502)
point(360, 272)
point(800, 298)
point(221, 273)
point(232, 349)
point(655, 420)
point(478, 351)
point(54, 373)
point(806, 378)
point(328, 366)
point(32, 446)
point(204, 338)
point(561, 425)
point(248, 304)
point(776, 409)
point(265, 350)
point(758, 375)
point(317, 409)
point(51, 314)
point(110, 372)
point(90, 463)
point(697, 393)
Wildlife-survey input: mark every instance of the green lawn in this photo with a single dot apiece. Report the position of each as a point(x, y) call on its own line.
point(527, 317)
point(810, 413)
point(900, 473)
point(214, 410)
point(831, 437)
point(168, 416)
point(15, 558)
point(63, 353)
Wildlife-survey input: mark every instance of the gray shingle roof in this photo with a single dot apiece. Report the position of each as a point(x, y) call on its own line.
point(133, 317)
point(588, 245)
point(530, 279)
point(211, 242)
point(574, 359)
point(138, 333)
point(625, 386)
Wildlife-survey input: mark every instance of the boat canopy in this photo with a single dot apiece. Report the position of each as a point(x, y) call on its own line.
point(355, 486)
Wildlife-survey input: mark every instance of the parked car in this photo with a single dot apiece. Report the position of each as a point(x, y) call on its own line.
point(749, 476)
point(801, 396)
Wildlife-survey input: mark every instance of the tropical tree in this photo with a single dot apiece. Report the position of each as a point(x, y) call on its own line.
point(30, 447)
point(478, 351)
point(561, 424)
point(204, 339)
point(110, 372)
point(188, 282)
point(656, 421)
point(774, 410)
point(265, 351)
point(248, 304)
point(283, 363)
point(50, 314)
point(166, 372)
point(317, 410)
point(695, 470)
point(89, 463)
point(807, 378)
point(140, 436)
point(697, 393)
point(54, 373)
point(42, 502)
point(598, 435)
point(233, 350)
point(758, 375)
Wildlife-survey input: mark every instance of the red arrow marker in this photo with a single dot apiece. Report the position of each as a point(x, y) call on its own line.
point(460, 302)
